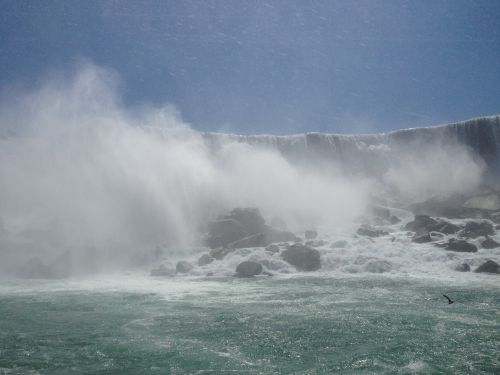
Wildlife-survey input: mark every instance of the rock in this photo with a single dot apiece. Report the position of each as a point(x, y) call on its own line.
point(474, 229)
point(162, 271)
point(365, 230)
point(378, 266)
point(220, 252)
point(273, 249)
point(446, 206)
point(461, 246)
point(248, 269)
point(315, 243)
point(304, 258)
point(464, 267)
point(250, 219)
point(423, 223)
point(489, 243)
point(394, 219)
point(489, 267)
point(422, 238)
point(183, 267)
point(205, 259)
point(310, 234)
point(254, 240)
point(275, 235)
point(223, 232)
point(339, 244)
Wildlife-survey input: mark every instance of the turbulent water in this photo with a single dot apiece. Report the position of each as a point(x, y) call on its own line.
point(285, 325)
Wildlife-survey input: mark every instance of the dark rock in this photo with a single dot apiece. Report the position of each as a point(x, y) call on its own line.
point(162, 271)
point(445, 206)
point(310, 234)
point(422, 224)
point(446, 227)
point(274, 235)
point(205, 259)
point(422, 238)
point(223, 232)
point(304, 258)
point(273, 249)
point(183, 267)
point(461, 246)
point(464, 267)
point(254, 240)
point(250, 219)
point(220, 252)
point(489, 267)
point(248, 269)
point(394, 219)
point(489, 243)
point(365, 230)
point(474, 229)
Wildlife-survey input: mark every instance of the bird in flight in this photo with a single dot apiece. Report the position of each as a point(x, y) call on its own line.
point(448, 298)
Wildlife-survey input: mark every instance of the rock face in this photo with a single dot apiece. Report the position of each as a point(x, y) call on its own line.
point(474, 229)
point(365, 230)
point(489, 243)
point(183, 267)
point(303, 258)
point(248, 269)
point(461, 246)
point(310, 234)
point(489, 267)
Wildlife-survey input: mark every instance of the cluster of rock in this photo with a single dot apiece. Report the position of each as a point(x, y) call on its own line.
point(246, 228)
point(427, 229)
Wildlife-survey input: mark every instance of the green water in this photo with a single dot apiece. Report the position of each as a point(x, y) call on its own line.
point(298, 325)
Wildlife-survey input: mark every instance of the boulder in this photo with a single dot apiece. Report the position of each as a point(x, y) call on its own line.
point(273, 249)
point(223, 232)
point(461, 246)
point(365, 230)
point(310, 234)
point(275, 235)
point(162, 270)
point(220, 252)
point(248, 269)
point(394, 219)
point(489, 243)
point(423, 224)
point(183, 266)
point(205, 259)
point(249, 218)
point(474, 229)
point(464, 267)
point(422, 238)
point(489, 267)
point(254, 240)
point(304, 258)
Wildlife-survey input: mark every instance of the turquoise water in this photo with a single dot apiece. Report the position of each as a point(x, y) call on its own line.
point(280, 325)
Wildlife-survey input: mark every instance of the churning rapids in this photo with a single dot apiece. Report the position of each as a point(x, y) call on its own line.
point(131, 243)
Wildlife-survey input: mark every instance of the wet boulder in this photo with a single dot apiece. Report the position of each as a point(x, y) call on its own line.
point(474, 229)
point(368, 231)
point(464, 267)
point(205, 259)
point(489, 267)
point(422, 238)
point(223, 232)
point(220, 252)
point(248, 269)
point(183, 266)
point(273, 249)
point(250, 218)
point(254, 240)
point(423, 224)
point(461, 246)
point(303, 258)
point(490, 243)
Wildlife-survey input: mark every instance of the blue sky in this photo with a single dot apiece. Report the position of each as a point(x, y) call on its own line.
point(272, 66)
